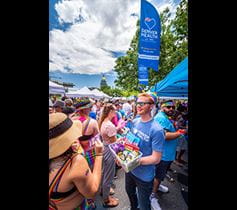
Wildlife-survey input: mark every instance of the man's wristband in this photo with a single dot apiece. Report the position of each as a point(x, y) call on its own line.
point(100, 154)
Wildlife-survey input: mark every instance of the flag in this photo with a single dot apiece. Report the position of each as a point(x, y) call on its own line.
point(149, 41)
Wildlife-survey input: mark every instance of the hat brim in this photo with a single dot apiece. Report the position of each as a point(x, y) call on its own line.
point(85, 106)
point(60, 144)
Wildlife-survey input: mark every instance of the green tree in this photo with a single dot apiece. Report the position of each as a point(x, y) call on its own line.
point(167, 48)
point(180, 30)
point(113, 92)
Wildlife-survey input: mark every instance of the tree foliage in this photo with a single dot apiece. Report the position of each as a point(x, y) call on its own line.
point(173, 49)
point(116, 92)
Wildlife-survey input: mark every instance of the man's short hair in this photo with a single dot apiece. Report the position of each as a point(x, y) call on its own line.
point(148, 96)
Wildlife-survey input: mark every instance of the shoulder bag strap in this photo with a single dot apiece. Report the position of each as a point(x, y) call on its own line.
point(86, 126)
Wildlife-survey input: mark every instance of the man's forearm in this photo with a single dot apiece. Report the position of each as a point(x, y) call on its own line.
point(172, 135)
point(149, 160)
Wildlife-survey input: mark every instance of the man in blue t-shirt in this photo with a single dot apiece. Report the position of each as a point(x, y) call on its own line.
point(151, 142)
point(169, 150)
point(120, 110)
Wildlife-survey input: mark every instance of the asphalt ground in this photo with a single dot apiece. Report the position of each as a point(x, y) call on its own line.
point(175, 199)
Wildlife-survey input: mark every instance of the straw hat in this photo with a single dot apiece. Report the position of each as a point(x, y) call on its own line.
point(68, 101)
point(62, 133)
point(84, 103)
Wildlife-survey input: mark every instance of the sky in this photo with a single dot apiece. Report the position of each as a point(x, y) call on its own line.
point(86, 37)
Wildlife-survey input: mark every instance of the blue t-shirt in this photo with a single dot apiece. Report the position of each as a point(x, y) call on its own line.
point(152, 138)
point(169, 145)
point(122, 112)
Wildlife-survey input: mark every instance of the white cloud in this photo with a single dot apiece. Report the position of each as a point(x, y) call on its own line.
point(84, 47)
point(161, 5)
point(69, 11)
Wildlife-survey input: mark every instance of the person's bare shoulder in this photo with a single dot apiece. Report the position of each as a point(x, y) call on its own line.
point(78, 167)
point(94, 122)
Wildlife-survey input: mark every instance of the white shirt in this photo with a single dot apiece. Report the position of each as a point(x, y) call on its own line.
point(94, 108)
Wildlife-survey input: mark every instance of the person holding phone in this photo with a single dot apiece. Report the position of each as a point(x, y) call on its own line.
point(71, 180)
point(164, 118)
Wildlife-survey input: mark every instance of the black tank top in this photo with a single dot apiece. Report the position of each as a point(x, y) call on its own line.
point(57, 195)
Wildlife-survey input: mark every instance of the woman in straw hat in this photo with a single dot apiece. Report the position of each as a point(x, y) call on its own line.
point(90, 132)
point(70, 178)
point(89, 126)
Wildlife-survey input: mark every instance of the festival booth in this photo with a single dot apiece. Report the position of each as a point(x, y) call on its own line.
point(106, 96)
point(175, 84)
point(55, 88)
point(72, 89)
point(86, 92)
point(83, 92)
point(98, 94)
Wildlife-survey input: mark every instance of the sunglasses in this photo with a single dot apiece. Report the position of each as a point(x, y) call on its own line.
point(169, 107)
point(142, 103)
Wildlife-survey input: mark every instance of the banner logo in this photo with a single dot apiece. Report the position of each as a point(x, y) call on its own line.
point(150, 23)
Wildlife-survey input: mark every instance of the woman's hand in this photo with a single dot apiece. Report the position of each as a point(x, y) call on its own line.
point(121, 124)
point(99, 147)
point(117, 162)
point(76, 146)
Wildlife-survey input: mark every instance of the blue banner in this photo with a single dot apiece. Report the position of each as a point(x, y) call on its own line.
point(143, 75)
point(149, 40)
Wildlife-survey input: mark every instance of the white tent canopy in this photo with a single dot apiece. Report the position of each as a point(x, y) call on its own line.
point(86, 92)
point(72, 89)
point(55, 85)
point(106, 96)
point(83, 92)
point(97, 93)
point(55, 88)
point(100, 94)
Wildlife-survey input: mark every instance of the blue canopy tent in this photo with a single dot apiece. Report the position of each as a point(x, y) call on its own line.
point(175, 84)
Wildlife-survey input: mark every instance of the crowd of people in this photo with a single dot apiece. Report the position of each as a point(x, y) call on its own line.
point(82, 165)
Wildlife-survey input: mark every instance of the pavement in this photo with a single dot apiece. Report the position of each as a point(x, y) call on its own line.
point(175, 199)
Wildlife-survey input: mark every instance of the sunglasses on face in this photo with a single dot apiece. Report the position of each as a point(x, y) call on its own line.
point(142, 103)
point(169, 107)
